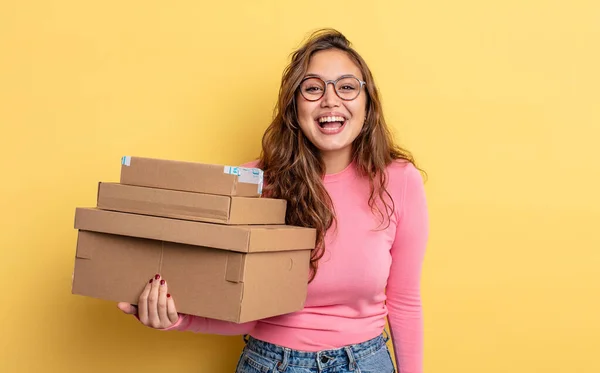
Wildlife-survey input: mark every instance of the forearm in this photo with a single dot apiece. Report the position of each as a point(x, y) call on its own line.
point(406, 329)
point(205, 325)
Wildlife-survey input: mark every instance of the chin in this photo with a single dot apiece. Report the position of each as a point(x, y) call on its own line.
point(329, 147)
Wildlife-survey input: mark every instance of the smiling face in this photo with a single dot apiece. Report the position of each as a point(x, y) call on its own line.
point(331, 123)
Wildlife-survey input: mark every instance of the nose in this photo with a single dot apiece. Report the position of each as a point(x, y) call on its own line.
point(330, 98)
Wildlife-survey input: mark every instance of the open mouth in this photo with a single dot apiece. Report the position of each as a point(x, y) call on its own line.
point(331, 125)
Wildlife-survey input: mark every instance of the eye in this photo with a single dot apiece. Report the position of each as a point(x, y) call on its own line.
point(313, 89)
point(312, 86)
point(348, 85)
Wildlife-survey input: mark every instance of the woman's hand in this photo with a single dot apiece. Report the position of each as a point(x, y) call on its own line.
point(156, 308)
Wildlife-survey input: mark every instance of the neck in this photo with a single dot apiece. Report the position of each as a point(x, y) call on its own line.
point(337, 161)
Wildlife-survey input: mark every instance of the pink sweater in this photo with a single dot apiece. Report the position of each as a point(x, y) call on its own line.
point(364, 276)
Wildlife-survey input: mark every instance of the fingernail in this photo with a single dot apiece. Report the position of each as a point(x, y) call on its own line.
point(162, 282)
point(157, 277)
point(168, 295)
point(150, 281)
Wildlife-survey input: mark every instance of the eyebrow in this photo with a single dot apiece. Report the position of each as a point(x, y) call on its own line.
point(312, 75)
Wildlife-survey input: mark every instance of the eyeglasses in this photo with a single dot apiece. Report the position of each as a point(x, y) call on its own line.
point(347, 87)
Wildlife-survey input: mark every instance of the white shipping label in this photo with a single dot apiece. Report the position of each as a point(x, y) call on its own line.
point(247, 175)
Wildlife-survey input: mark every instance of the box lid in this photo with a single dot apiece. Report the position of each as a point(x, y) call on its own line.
point(191, 176)
point(240, 238)
point(177, 204)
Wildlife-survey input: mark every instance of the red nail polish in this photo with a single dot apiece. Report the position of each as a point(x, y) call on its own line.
point(157, 277)
point(162, 282)
point(168, 295)
point(150, 281)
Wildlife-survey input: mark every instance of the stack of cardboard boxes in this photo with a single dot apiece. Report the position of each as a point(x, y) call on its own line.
point(224, 250)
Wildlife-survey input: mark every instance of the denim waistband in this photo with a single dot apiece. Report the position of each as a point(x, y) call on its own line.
point(346, 355)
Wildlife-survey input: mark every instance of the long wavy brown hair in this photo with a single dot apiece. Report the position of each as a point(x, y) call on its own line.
point(292, 165)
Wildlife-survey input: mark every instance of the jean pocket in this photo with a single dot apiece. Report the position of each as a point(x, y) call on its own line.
point(378, 362)
point(251, 362)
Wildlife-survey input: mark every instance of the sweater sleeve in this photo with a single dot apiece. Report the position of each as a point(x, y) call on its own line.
point(205, 325)
point(403, 288)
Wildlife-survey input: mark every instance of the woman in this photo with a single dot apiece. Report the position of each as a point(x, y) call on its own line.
point(329, 153)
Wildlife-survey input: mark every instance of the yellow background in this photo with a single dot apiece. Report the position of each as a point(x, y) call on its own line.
point(498, 100)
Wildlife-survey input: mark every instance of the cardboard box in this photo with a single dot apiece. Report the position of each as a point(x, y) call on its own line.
point(191, 176)
point(225, 272)
point(190, 205)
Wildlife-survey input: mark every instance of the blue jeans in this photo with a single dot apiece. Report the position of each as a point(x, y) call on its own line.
point(371, 356)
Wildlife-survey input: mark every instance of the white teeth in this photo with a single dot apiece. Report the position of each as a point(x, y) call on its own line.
point(331, 119)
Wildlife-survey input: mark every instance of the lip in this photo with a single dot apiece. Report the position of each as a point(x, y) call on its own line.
point(327, 131)
point(331, 114)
